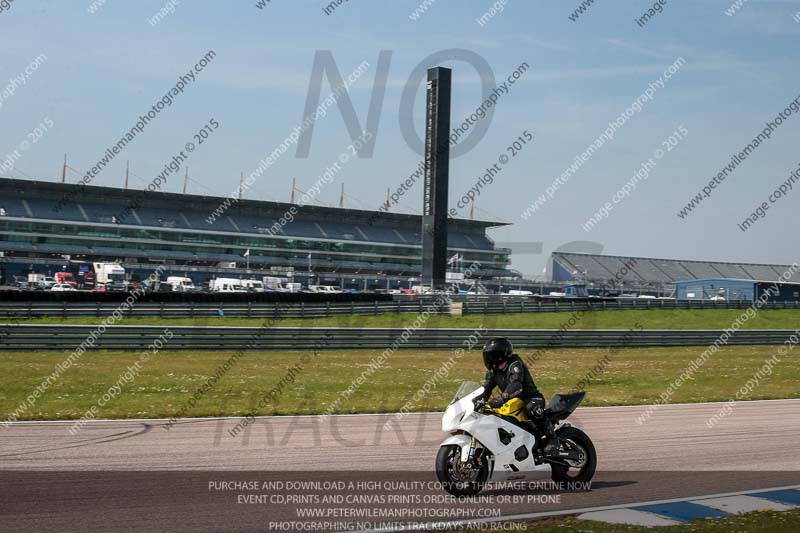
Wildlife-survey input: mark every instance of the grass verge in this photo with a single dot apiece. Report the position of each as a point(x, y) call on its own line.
point(170, 378)
point(649, 319)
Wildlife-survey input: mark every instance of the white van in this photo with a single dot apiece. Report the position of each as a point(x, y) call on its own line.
point(253, 285)
point(325, 289)
point(181, 284)
point(293, 287)
point(274, 284)
point(226, 285)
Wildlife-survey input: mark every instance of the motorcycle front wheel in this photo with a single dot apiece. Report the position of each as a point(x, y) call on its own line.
point(457, 478)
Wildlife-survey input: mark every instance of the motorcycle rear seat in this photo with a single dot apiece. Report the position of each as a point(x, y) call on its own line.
point(560, 403)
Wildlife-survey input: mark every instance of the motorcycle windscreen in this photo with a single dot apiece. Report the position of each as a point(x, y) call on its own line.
point(466, 388)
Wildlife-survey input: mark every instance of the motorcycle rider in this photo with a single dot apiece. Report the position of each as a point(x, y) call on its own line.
point(507, 371)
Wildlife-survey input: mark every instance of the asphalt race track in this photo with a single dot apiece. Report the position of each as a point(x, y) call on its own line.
point(137, 475)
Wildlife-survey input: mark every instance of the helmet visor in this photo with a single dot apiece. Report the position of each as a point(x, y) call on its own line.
point(492, 358)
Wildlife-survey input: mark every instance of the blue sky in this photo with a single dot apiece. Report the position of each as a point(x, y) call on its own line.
point(104, 69)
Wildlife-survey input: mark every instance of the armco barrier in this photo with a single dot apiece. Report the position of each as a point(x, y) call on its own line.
point(21, 310)
point(499, 304)
point(320, 307)
point(188, 297)
point(21, 337)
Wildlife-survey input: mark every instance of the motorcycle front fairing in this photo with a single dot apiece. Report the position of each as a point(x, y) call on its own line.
point(510, 446)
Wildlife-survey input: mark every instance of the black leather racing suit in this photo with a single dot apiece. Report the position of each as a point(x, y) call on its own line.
point(515, 381)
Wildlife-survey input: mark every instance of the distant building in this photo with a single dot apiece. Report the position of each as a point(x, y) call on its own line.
point(735, 290)
point(42, 222)
point(656, 275)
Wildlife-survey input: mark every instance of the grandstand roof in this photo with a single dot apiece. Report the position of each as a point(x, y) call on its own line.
point(739, 281)
point(169, 199)
point(173, 211)
point(655, 271)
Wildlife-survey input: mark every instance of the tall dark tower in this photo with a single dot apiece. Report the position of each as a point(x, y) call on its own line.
point(437, 176)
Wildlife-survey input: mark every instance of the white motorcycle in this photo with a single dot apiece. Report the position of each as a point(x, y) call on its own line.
point(500, 445)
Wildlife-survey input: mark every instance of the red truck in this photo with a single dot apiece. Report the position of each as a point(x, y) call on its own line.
point(65, 277)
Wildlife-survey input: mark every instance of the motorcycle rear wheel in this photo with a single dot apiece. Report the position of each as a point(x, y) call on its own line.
point(574, 439)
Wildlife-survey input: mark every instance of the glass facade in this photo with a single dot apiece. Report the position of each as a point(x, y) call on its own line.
point(100, 239)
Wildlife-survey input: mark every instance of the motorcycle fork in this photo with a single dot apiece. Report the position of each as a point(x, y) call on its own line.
point(472, 444)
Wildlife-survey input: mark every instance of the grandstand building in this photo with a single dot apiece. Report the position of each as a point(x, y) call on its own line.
point(648, 274)
point(41, 232)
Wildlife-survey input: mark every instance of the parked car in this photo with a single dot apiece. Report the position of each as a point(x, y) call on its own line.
point(21, 282)
point(324, 289)
point(62, 287)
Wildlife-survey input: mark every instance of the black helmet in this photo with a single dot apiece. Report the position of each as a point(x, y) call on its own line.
point(496, 351)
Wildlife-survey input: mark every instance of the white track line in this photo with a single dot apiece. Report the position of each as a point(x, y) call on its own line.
point(744, 503)
point(543, 514)
point(261, 417)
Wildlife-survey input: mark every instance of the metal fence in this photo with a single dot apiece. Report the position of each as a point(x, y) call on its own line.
point(21, 337)
point(204, 310)
point(470, 305)
point(499, 304)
